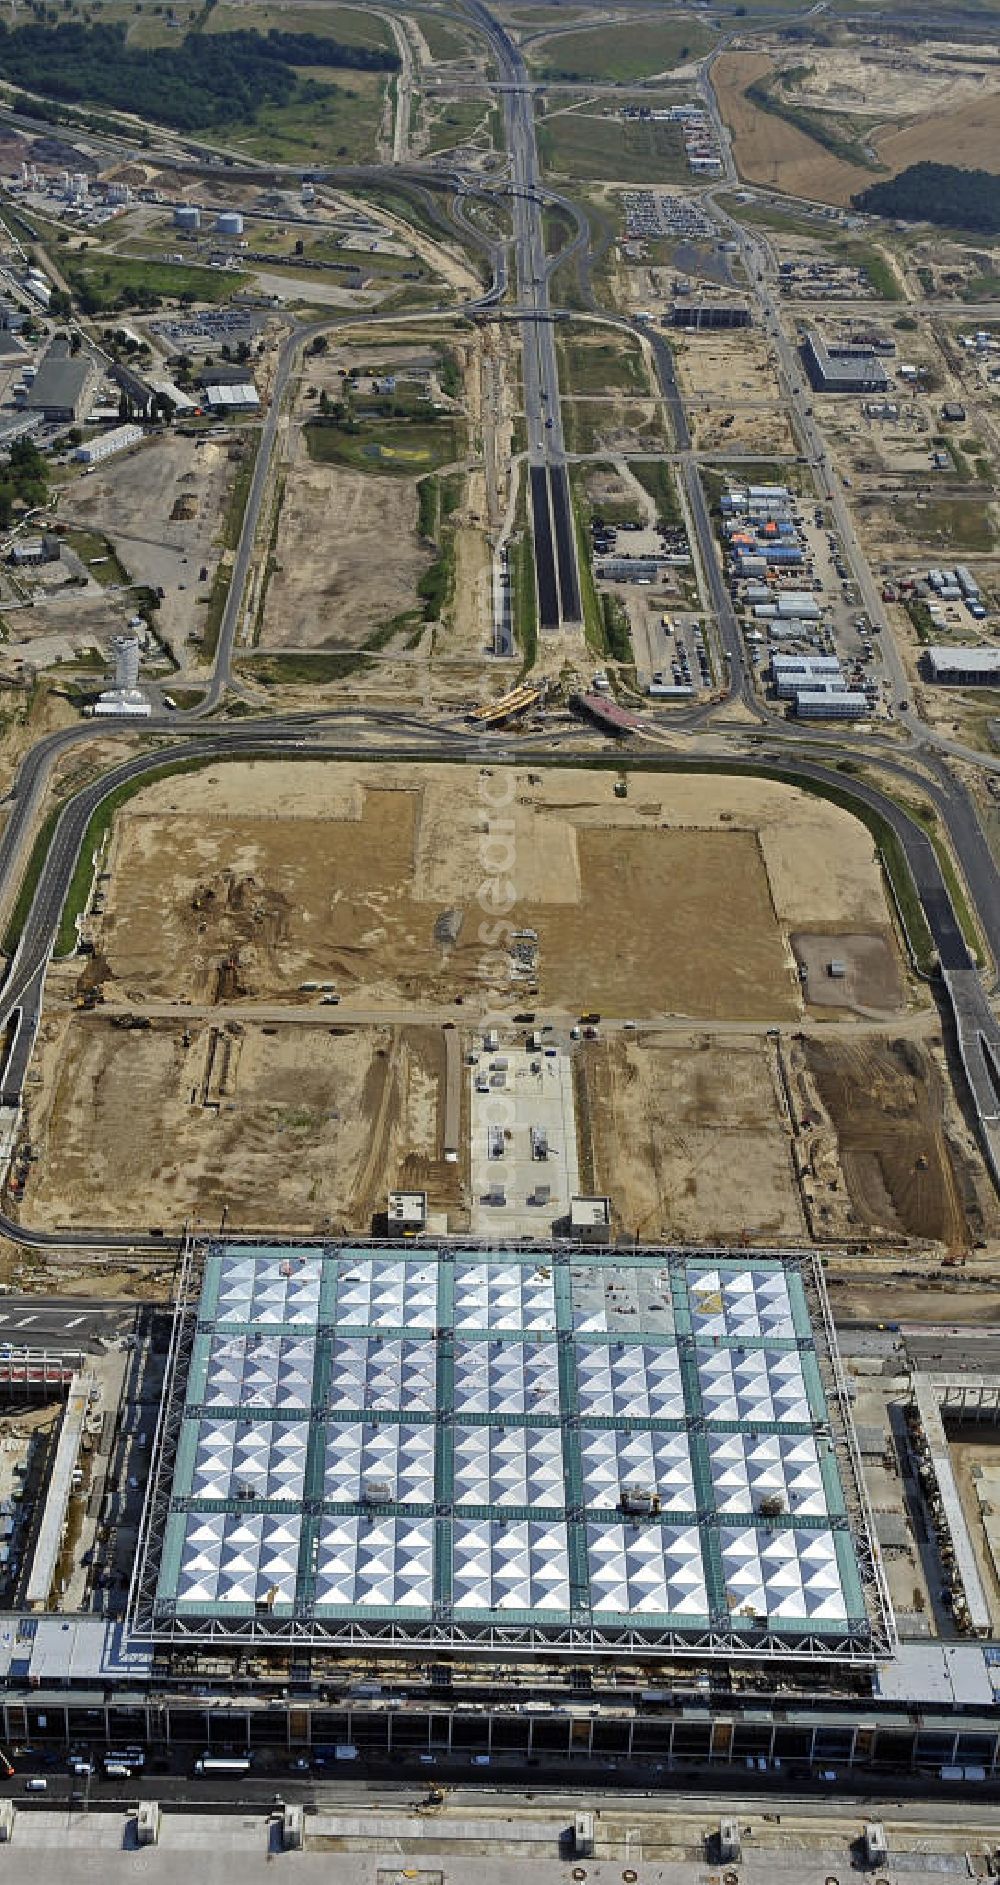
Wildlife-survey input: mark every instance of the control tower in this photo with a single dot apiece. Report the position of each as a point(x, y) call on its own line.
point(125, 649)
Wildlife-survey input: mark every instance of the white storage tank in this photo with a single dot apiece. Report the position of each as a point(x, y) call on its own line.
point(187, 216)
point(229, 222)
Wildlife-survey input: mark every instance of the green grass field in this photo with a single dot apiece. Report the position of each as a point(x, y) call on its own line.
point(532, 19)
point(575, 144)
point(303, 670)
point(457, 121)
point(143, 28)
point(344, 129)
point(603, 366)
point(767, 217)
point(352, 26)
point(98, 557)
point(658, 479)
point(957, 523)
point(639, 51)
point(402, 448)
point(444, 39)
point(103, 277)
point(590, 424)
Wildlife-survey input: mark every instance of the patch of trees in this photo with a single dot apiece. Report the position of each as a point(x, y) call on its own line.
point(206, 80)
point(24, 481)
point(937, 193)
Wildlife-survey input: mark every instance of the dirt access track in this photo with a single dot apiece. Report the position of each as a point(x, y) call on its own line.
point(242, 881)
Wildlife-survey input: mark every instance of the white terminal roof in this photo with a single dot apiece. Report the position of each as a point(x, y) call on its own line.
point(561, 1445)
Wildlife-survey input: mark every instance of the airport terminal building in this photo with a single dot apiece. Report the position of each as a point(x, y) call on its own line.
point(533, 1449)
point(536, 1503)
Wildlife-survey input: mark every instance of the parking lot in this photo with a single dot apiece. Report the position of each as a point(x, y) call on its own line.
point(653, 213)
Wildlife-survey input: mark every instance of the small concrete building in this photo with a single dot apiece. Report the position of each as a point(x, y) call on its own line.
point(590, 1220)
point(107, 443)
point(407, 1211)
point(29, 551)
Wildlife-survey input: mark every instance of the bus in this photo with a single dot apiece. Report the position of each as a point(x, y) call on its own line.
point(222, 1764)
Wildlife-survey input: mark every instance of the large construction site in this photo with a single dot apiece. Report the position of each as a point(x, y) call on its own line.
point(302, 969)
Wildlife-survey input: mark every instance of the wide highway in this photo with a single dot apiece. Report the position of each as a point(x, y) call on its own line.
point(556, 566)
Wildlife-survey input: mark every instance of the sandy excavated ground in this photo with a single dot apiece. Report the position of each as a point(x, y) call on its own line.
point(870, 972)
point(246, 880)
point(731, 377)
point(725, 367)
point(294, 1127)
point(334, 576)
point(885, 1147)
point(688, 1138)
point(892, 83)
point(750, 429)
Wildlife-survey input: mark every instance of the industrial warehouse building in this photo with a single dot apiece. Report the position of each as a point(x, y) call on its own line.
point(817, 686)
point(644, 1450)
point(831, 702)
point(841, 367)
point(956, 666)
point(237, 396)
point(64, 386)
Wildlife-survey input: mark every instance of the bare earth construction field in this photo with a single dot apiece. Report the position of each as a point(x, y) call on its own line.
point(240, 884)
point(332, 581)
point(293, 1127)
point(688, 1137)
point(229, 888)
